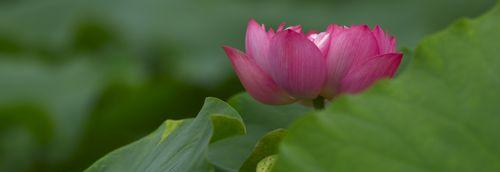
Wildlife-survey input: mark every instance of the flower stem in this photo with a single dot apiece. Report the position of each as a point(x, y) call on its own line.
point(319, 103)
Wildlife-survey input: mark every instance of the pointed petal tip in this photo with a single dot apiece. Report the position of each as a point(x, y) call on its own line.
point(296, 28)
point(336, 29)
point(271, 29)
point(233, 53)
point(257, 43)
point(286, 35)
point(252, 21)
point(331, 27)
point(311, 32)
point(229, 50)
point(398, 57)
point(255, 80)
point(281, 26)
point(364, 75)
point(253, 24)
point(386, 42)
point(270, 32)
point(362, 26)
point(379, 32)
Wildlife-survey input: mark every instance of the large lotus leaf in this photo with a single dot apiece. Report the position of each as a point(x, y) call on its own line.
point(178, 145)
point(441, 114)
point(261, 120)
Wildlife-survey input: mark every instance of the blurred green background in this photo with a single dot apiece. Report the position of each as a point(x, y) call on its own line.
point(81, 78)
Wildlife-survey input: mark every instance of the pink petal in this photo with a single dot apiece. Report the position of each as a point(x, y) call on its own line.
point(296, 28)
point(270, 33)
point(336, 29)
point(322, 40)
point(347, 47)
point(257, 83)
point(311, 32)
point(386, 43)
point(257, 43)
point(281, 26)
point(363, 75)
point(297, 64)
point(392, 43)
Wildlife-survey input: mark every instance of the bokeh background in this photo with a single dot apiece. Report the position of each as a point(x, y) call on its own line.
point(80, 78)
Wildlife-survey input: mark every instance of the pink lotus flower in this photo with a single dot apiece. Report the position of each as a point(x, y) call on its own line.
point(287, 65)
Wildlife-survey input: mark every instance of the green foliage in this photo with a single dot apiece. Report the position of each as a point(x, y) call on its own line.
point(184, 149)
point(34, 119)
point(73, 73)
point(262, 123)
point(40, 98)
point(441, 114)
point(215, 140)
point(266, 147)
point(170, 126)
point(23, 128)
point(266, 164)
point(225, 127)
